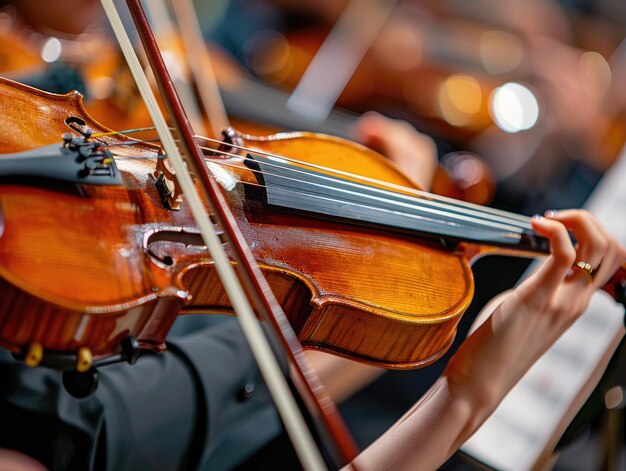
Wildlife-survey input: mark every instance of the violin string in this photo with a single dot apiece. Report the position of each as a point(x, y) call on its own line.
point(408, 200)
point(394, 186)
point(474, 209)
point(133, 143)
point(506, 231)
point(412, 203)
point(419, 193)
point(510, 231)
point(495, 221)
point(471, 220)
point(125, 132)
point(416, 204)
point(514, 236)
point(515, 222)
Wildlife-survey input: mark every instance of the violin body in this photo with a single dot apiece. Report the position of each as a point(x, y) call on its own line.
point(88, 270)
point(72, 273)
point(373, 296)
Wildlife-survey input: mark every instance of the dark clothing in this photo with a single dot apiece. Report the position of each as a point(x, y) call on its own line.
point(179, 410)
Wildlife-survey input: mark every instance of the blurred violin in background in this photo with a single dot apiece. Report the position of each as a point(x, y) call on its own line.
point(113, 98)
point(476, 87)
point(491, 81)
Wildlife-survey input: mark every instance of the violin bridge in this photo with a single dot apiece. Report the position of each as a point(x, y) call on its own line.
point(167, 185)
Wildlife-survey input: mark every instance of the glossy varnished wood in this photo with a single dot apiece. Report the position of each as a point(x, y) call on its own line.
point(382, 299)
point(73, 268)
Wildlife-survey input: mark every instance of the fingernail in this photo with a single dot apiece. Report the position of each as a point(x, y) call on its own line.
point(537, 217)
point(550, 213)
point(371, 115)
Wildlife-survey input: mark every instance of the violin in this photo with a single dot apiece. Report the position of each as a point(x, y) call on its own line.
point(121, 207)
point(321, 215)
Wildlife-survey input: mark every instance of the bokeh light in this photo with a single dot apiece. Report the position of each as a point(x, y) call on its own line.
point(51, 50)
point(500, 52)
point(459, 99)
point(514, 107)
point(597, 71)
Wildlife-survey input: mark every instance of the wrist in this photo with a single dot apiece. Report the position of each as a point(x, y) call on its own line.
point(480, 401)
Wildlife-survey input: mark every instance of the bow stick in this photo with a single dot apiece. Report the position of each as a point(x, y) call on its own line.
point(200, 65)
point(256, 284)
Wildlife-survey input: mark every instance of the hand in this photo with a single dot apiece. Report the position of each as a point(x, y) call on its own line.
point(413, 152)
point(503, 348)
point(537, 312)
point(12, 460)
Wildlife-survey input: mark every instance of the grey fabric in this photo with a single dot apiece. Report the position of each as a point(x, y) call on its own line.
point(166, 412)
point(39, 418)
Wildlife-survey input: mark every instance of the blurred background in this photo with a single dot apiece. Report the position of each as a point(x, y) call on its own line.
point(525, 101)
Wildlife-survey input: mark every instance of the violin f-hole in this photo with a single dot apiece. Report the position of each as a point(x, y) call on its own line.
point(74, 122)
point(159, 244)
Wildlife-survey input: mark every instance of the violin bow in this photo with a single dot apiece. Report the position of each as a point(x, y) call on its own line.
point(200, 65)
point(258, 288)
point(342, 51)
point(198, 92)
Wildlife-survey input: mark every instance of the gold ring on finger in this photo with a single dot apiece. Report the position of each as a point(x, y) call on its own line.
point(585, 267)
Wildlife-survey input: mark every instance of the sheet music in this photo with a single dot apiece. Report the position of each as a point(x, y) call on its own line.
point(516, 434)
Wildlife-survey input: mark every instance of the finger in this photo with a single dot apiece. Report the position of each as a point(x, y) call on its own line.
point(376, 132)
point(592, 242)
point(613, 258)
point(613, 254)
point(369, 128)
point(610, 265)
point(413, 152)
point(553, 271)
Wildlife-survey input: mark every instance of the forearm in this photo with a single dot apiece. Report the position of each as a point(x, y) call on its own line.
point(436, 426)
point(476, 380)
point(493, 359)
